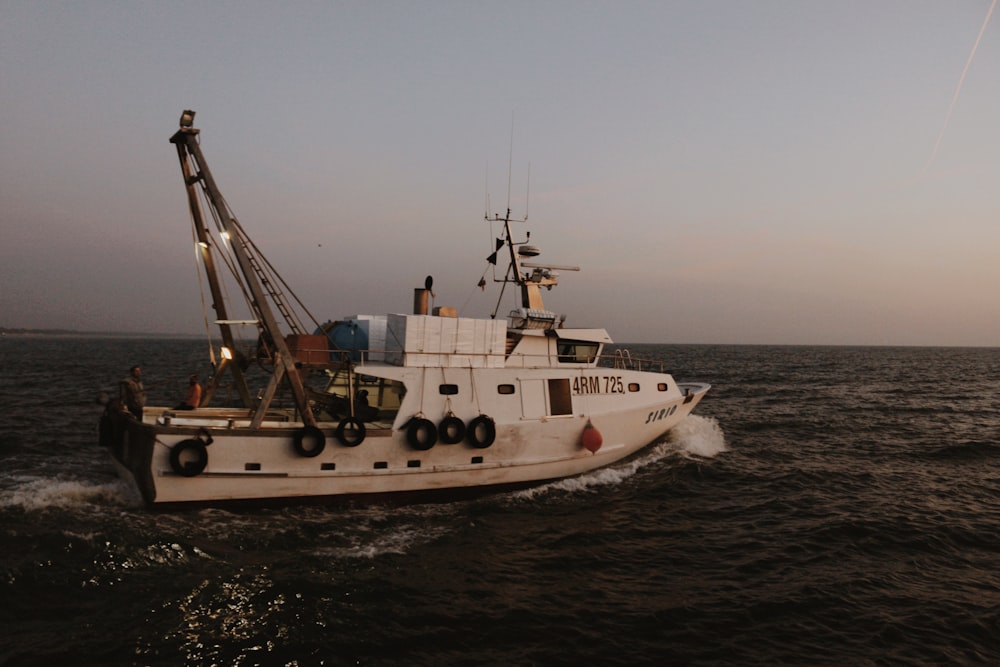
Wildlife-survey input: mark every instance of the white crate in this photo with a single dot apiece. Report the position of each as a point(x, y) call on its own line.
point(427, 341)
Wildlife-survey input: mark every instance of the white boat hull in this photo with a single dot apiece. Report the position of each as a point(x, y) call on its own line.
point(261, 465)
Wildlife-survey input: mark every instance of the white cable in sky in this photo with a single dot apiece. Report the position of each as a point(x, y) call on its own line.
point(958, 89)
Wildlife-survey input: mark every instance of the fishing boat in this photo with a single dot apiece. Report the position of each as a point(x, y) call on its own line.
point(413, 406)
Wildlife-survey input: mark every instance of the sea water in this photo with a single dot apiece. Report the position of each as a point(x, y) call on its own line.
point(824, 506)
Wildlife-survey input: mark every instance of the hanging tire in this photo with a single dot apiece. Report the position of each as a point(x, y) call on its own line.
point(451, 430)
point(309, 441)
point(350, 432)
point(488, 427)
point(185, 466)
point(421, 433)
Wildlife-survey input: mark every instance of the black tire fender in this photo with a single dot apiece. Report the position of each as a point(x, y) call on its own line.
point(451, 430)
point(344, 435)
point(422, 434)
point(186, 467)
point(304, 436)
point(489, 429)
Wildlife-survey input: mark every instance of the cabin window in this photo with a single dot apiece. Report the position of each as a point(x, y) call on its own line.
point(560, 401)
point(662, 386)
point(633, 386)
point(505, 389)
point(375, 399)
point(577, 351)
point(448, 389)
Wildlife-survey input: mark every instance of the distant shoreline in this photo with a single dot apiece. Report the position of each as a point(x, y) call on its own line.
point(70, 333)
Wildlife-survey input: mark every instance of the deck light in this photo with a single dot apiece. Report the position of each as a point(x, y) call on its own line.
point(227, 353)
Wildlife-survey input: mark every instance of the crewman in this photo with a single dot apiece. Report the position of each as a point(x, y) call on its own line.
point(193, 398)
point(133, 393)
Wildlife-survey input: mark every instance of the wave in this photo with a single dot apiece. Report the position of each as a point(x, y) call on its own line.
point(35, 494)
point(695, 436)
point(700, 436)
point(971, 450)
point(371, 532)
point(397, 540)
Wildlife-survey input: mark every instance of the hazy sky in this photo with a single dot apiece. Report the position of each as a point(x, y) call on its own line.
point(723, 172)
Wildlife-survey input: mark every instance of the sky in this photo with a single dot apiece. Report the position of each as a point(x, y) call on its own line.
point(752, 172)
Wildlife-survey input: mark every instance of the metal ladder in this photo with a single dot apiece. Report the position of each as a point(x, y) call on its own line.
point(275, 294)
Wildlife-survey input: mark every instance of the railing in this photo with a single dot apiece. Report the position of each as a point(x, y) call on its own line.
point(624, 360)
point(618, 359)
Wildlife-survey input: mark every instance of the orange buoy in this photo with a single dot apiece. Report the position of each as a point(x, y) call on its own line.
point(591, 438)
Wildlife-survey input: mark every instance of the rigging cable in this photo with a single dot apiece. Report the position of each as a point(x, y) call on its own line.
point(502, 289)
point(224, 256)
point(481, 284)
point(201, 290)
point(273, 275)
point(227, 259)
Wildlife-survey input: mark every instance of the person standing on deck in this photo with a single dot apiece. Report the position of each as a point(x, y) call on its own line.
point(133, 393)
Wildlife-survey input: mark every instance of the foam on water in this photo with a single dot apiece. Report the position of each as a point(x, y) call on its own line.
point(34, 494)
point(395, 540)
point(694, 436)
point(700, 436)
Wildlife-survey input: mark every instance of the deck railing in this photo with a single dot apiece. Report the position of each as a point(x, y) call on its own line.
point(619, 358)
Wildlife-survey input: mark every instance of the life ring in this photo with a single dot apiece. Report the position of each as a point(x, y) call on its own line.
point(421, 433)
point(451, 430)
point(189, 468)
point(489, 432)
point(353, 437)
point(306, 435)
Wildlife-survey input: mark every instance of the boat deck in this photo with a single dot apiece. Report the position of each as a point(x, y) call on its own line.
point(240, 418)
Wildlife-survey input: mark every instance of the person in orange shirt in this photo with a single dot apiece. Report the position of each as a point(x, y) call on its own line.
point(193, 398)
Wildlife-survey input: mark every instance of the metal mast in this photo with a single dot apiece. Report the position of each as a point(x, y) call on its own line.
point(195, 170)
point(218, 301)
point(542, 274)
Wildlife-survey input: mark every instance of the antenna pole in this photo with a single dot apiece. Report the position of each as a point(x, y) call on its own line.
point(510, 160)
point(486, 191)
point(527, 196)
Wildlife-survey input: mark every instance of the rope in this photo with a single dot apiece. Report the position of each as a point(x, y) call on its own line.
point(473, 290)
point(201, 291)
point(475, 393)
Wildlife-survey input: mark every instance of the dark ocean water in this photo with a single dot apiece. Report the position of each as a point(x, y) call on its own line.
point(827, 506)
